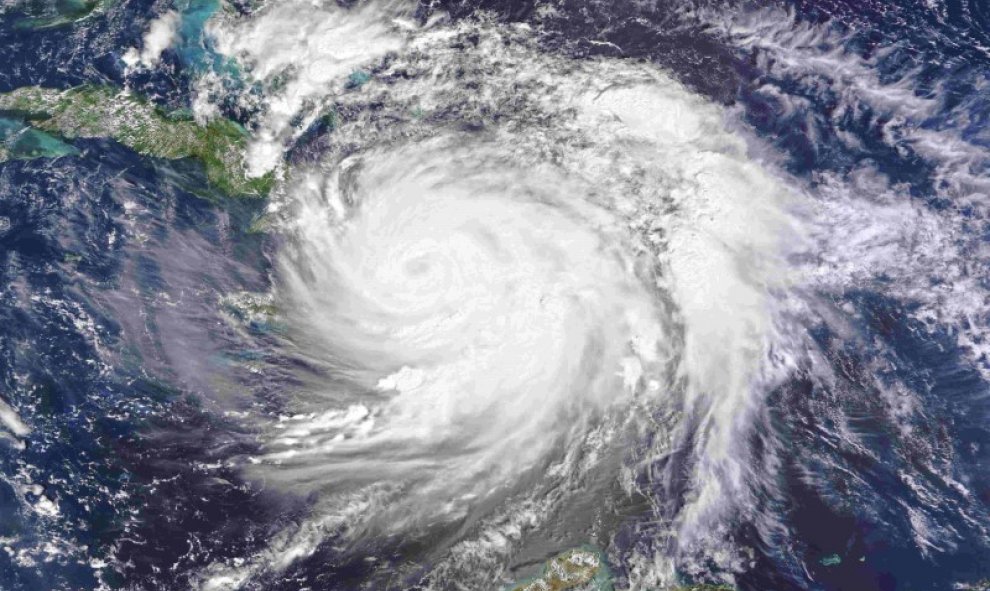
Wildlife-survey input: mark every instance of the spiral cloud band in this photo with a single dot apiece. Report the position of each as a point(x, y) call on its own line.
point(483, 314)
point(497, 312)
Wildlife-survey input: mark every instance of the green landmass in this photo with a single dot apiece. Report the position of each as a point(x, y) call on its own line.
point(105, 112)
point(256, 310)
point(584, 569)
point(574, 569)
point(48, 14)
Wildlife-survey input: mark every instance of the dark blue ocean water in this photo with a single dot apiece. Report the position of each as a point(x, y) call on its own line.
point(102, 252)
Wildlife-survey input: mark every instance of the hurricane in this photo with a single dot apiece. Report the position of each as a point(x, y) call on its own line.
point(386, 294)
point(495, 320)
point(432, 280)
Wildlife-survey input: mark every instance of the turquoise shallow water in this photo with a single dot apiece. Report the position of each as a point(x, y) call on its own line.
point(23, 141)
point(193, 46)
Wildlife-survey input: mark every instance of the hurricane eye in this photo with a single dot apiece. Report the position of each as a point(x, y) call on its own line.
point(419, 266)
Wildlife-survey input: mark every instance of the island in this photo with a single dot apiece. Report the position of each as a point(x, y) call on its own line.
point(49, 15)
point(584, 569)
point(574, 569)
point(105, 112)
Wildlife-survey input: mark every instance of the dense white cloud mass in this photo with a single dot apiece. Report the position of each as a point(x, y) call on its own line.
point(160, 35)
point(498, 303)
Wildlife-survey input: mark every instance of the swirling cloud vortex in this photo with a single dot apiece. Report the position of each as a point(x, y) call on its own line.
point(477, 315)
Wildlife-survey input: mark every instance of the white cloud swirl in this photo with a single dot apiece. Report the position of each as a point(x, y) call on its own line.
point(481, 314)
point(499, 314)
